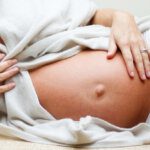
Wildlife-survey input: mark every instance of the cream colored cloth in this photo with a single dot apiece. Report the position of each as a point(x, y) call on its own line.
point(38, 32)
point(15, 144)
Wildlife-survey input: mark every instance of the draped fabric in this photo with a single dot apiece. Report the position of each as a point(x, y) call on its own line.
point(37, 32)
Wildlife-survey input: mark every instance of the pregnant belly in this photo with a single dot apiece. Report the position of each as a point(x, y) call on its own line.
point(89, 84)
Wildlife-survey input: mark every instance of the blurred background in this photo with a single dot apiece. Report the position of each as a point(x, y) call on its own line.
point(136, 7)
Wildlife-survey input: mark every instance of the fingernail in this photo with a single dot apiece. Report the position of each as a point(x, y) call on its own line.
point(108, 56)
point(108, 53)
point(12, 84)
point(143, 77)
point(15, 69)
point(132, 74)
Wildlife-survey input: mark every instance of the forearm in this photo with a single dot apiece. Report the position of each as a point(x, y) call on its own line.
point(106, 16)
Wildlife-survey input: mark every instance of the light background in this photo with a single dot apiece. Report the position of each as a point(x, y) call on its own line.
point(136, 7)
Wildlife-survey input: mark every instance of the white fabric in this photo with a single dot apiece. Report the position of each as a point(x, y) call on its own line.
point(37, 32)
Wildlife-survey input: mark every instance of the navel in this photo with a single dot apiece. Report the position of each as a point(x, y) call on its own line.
point(99, 90)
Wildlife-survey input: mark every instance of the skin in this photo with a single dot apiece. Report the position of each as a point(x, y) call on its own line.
point(6, 72)
point(92, 88)
point(126, 37)
point(89, 84)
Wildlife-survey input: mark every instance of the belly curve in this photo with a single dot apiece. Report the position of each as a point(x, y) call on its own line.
point(89, 84)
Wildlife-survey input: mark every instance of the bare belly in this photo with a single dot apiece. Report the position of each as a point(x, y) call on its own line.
point(89, 84)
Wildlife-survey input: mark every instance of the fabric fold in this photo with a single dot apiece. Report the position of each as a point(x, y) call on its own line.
point(44, 31)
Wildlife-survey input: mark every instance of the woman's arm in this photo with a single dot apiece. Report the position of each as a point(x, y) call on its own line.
point(126, 36)
point(103, 17)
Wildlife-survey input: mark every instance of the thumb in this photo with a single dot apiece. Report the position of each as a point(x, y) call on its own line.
point(112, 48)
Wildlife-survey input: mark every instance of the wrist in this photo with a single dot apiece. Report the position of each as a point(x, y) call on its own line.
point(123, 15)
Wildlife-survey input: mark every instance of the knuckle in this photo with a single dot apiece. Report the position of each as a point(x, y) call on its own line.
point(124, 42)
point(133, 41)
point(129, 59)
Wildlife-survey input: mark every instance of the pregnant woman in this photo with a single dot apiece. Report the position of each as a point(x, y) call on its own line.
point(74, 74)
point(91, 84)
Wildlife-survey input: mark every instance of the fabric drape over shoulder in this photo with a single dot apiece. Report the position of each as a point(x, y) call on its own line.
point(37, 32)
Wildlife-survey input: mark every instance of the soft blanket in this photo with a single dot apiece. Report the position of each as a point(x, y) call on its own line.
point(37, 32)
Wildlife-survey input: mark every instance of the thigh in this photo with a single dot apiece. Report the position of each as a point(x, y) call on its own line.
point(89, 84)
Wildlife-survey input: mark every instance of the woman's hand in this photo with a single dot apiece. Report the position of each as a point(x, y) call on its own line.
point(126, 35)
point(6, 72)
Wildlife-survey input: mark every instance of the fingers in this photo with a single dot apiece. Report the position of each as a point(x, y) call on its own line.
point(138, 60)
point(145, 57)
point(131, 51)
point(6, 87)
point(127, 55)
point(2, 55)
point(6, 64)
point(146, 63)
point(112, 47)
point(7, 74)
